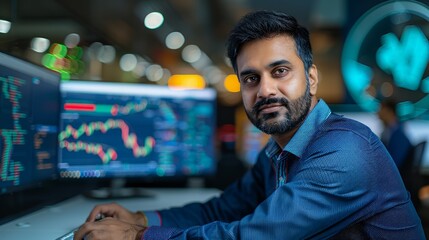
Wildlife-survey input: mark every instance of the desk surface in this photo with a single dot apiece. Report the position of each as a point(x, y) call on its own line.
point(54, 221)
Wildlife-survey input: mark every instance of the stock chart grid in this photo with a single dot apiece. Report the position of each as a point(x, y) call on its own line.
point(117, 133)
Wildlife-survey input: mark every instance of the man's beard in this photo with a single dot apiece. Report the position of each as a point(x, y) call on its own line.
point(297, 110)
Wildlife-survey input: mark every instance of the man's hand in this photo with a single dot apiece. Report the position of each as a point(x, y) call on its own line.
point(108, 229)
point(118, 212)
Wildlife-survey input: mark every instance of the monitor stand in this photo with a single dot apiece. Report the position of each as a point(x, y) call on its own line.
point(117, 189)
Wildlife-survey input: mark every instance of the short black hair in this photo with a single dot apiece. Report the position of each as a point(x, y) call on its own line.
point(265, 24)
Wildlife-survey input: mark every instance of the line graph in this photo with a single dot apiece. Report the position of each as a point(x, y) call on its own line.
point(129, 140)
point(90, 148)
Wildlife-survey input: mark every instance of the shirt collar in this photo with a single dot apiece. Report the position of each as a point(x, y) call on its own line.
point(304, 134)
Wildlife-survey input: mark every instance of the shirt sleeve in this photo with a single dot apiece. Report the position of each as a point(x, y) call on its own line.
point(237, 201)
point(153, 218)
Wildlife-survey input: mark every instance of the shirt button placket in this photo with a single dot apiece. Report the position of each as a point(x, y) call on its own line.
point(281, 180)
point(281, 169)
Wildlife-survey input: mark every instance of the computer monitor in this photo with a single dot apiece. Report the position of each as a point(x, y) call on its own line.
point(29, 119)
point(112, 130)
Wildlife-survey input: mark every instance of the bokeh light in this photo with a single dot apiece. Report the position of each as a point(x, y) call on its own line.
point(154, 73)
point(4, 26)
point(231, 83)
point(66, 61)
point(140, 69)
point(39, 44)
point(191, 53)
point(72, 40)
point(153, 20)
point(128, 62)
point(174, 40)
point(186, 81)
point(94, 49)
point(106, 54)
point(58, 50)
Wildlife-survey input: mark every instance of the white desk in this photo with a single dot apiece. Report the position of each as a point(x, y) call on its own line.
point(54, 221)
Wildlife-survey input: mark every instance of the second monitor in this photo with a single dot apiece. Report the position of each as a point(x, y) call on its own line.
point(120, 130)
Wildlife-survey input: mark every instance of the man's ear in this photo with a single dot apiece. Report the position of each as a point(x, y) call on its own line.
point(313, 78)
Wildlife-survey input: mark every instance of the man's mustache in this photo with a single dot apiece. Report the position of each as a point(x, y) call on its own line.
point(266, 101)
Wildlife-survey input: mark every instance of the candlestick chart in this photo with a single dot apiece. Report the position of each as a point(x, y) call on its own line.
point(123, 134)
point(96, 130)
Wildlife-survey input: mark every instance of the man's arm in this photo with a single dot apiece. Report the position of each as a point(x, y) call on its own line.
point(237, 201)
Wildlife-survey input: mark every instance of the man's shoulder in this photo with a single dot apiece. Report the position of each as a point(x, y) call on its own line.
point(341, 128)
point(342, 123)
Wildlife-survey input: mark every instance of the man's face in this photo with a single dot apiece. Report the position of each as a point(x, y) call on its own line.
point(276, 92)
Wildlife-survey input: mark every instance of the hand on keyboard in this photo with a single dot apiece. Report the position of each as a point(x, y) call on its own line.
point(70, 235)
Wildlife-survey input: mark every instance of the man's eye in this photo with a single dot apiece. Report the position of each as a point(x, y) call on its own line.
point(250, 79)
point(280, 71)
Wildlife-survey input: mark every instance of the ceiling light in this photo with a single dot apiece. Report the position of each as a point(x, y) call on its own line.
point(72, 40)
point(140, 69)
point(39, 44)
point(191, 53)
point(213, 74)
point(4, 26)
point(153, 20)
point(94, 49)
point(128, 62)
point(174, 40)
point(154, 73)
point(106, 54)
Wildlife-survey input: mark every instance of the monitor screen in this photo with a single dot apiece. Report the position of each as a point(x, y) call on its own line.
point(29, 119)
point(111, 129)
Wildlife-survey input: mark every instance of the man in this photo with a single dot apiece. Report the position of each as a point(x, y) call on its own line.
point(400, 148)
point(321, 176)
point(393, 135)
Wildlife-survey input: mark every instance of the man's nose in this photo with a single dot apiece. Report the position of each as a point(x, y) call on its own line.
point(267, 87)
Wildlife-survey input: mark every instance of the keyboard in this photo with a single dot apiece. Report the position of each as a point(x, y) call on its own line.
point(68, 236)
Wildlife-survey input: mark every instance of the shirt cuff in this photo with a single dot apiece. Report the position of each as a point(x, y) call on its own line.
point(156, 233)
point(153, 218)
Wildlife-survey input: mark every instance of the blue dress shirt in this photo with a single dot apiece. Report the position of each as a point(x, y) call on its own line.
point(333, 180)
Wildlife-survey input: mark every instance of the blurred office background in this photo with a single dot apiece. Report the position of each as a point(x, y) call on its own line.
point(157, 42)
point(182, 44)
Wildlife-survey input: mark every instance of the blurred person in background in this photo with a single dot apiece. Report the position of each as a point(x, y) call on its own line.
point(397, 143)
point(229, 166)
point(320, 176)
point(394, 136)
